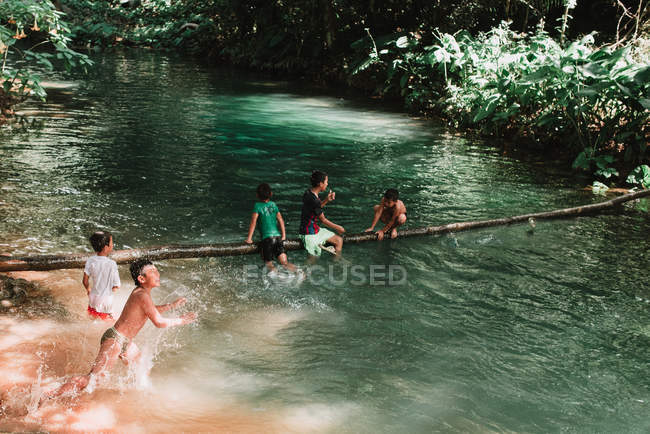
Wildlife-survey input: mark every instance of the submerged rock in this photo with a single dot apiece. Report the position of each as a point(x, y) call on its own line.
point(27, 299)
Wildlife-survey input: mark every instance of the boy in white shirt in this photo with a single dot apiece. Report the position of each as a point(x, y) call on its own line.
point(104, 275)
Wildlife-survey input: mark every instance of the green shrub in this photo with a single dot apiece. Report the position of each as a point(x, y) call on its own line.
point(32, 35)
point(593, 102)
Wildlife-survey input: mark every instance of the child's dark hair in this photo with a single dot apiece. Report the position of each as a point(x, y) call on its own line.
point(136, 268)
point(100, 239)
point(317, 177)
point(264, 191)
point(391, 194)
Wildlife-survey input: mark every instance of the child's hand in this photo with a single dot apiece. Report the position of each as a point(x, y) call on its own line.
point(341, 230)
point(181, 301)
point(368, 230)
point(248, 241)
point(188, 317)
point(380, 235)
point(331, 196)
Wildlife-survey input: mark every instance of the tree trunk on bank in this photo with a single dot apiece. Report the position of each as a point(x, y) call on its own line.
point(55, 262)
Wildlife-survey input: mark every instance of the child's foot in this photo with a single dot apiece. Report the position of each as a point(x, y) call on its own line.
point(393, 234)
point(330, 249)
point(300, 276)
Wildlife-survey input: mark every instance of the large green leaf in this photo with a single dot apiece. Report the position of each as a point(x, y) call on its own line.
point(487, 109)
point(642, 77)
point(640, 176)
point(594, 70)
point(581, 161)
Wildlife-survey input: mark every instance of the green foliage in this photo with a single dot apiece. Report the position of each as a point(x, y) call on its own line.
point(640, 176)
point(46, 38)
point(599, 188)
point(592, 102)
point(158, 24)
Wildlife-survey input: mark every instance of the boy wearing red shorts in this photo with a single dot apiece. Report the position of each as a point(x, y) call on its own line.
point(105, 278)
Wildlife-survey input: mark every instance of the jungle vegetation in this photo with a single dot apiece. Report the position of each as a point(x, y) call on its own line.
point(563, 77)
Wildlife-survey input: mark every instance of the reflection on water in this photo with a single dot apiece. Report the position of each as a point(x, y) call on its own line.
point(494, 330)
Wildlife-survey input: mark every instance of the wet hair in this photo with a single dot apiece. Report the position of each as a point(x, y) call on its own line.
point(391, 194)
point(317, 177)
point(100, 239)
point(264, 191)
point(136, 268)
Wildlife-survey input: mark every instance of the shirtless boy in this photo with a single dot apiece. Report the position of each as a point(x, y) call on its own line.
point(117, 341)
point(391, 211)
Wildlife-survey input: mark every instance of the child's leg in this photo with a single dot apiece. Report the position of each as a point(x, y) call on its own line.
point(401, 219)
point(269, 265)
point(337, 241)
point(108, 352)
point(282, 259)
point(131, 355)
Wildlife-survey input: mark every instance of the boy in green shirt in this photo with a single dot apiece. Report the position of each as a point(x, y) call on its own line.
point(272, 238)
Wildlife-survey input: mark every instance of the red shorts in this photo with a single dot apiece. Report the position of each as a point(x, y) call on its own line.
point(101, 315)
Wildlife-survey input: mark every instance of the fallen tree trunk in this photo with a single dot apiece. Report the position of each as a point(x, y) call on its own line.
point(54, 262)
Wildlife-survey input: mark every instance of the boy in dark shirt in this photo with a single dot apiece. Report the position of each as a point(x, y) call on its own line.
point(271, 228)
point(313, 236)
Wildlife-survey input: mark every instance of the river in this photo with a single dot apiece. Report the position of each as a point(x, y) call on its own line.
point(496, 330)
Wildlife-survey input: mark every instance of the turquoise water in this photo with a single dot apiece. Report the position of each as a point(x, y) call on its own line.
point(493, 330)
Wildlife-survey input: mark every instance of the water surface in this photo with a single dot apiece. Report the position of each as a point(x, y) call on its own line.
point(493, 330)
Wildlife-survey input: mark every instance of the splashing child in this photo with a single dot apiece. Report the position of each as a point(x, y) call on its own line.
point(117, 341)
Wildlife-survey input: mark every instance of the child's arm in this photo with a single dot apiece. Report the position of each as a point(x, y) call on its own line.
point(165, 307)
point(116, 278)
point(330, 224)
point(86, 283)
point(375, 219)
point(157, 319)
point(281, 222)
point(251, 228)
point(391, 222)
point(330, 197)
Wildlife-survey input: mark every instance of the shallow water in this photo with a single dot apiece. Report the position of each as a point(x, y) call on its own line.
point(487, 331)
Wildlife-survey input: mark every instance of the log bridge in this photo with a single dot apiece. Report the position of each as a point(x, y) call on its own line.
point(55, 262)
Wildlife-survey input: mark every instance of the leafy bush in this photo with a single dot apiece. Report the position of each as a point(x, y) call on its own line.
point(640, 176)
point(592, 102)
point(41, 27)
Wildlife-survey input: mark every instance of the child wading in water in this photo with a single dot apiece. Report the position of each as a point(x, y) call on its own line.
point(392, 213)
point(271, 228)
point(117, 341)
point(104, 275)
point(313, 236)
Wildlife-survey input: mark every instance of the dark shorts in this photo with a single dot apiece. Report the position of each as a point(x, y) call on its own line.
point(271, 247)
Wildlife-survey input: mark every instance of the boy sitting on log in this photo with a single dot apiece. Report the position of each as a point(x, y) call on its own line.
point(117, 341)
point(392, 213)
point(271, 228)
point(312, 235)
